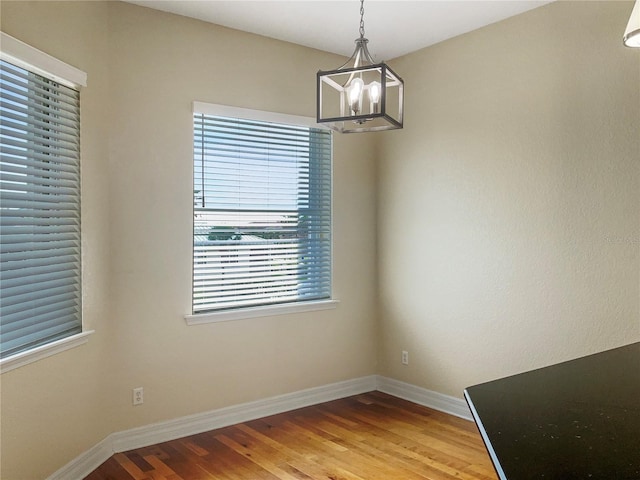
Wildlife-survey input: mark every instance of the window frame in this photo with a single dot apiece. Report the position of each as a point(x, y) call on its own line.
point(246, 312)
point(29, 58)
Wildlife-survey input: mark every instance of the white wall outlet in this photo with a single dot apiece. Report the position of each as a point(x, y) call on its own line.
point(138, 396)
point(405, 357)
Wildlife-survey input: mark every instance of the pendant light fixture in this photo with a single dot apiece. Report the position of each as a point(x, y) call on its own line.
point(361, 95)
point(631, 37)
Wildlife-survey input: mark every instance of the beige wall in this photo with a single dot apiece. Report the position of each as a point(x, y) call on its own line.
point(56, 408)
point(159, 64)
point(144, 70)
point(509, 219)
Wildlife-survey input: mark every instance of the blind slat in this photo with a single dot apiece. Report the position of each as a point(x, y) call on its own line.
point(40, 290)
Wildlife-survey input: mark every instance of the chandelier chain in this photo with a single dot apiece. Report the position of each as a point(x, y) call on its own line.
point(361, 18)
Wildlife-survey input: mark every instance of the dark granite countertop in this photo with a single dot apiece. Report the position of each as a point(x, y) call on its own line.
point(575, 420)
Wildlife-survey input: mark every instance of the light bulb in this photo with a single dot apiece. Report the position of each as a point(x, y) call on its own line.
point(374, 96)
point(355, 94)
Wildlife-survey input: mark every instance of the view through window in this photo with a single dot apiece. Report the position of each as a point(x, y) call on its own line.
point(262, 213)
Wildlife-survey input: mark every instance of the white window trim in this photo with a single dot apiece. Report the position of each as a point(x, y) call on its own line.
point(259, 115)
point(43, 351)
point(25, 56)
point(261, 311)
point(281, 308)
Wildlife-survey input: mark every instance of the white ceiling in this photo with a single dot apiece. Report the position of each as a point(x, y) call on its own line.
point(393, 27)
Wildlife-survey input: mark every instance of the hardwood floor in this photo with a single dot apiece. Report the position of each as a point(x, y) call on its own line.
point(373, 436)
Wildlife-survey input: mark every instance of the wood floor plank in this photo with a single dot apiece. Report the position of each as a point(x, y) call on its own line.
point(373, 436)
point(125, 462)
point(326, 452)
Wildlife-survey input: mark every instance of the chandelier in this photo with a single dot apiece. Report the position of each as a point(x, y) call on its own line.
point(361, 95)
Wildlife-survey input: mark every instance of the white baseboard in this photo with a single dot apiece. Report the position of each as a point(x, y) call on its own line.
point(223, 417)
point(125, 440)
point(86, 463)
point(422, 396)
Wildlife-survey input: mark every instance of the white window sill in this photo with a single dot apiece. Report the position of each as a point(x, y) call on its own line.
point(263, 311)
point(43, 351)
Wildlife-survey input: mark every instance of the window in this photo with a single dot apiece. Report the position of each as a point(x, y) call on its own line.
point(39, 201)
point(262, 210)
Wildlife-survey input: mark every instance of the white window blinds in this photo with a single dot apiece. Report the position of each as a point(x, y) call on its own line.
point(40, 210)
point(262, 213)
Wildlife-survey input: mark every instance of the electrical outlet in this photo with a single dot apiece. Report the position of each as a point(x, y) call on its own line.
point(405, 357)
point(138, 396)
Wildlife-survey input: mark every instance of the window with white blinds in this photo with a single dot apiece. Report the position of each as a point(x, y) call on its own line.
point(39, 210)
point(262, 213)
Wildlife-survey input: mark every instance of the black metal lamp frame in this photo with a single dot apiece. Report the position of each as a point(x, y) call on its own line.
point(344, 109)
